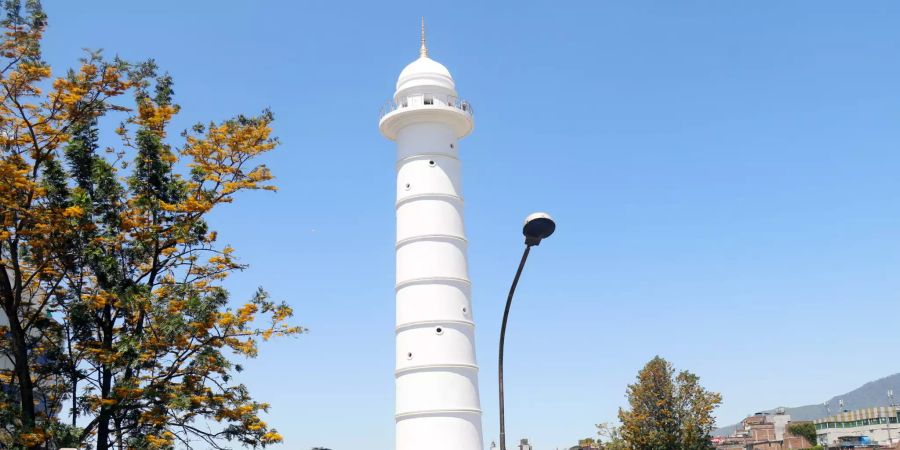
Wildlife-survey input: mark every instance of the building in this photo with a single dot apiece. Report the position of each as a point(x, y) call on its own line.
point(763, 431)
point(524, 445)
point(436, 376)
point(860, 428)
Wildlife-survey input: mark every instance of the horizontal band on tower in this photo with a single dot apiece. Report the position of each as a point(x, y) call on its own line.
point(412, 197)
point(430, 323)
point(459, 121)
point(430, 237)
point(436, 412)
point(424, 155)
point(425, 280)
point(434, 367)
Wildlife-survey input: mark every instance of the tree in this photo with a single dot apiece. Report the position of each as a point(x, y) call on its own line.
point(151, 316)
point(109, 272)
point(610, 437)
point(804, 429)
point(668, 412)
point(695, 411)
point(36, 118)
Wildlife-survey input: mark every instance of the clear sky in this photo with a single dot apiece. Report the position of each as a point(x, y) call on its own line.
point(724, 176)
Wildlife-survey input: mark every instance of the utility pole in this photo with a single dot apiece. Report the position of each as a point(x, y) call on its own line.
point(890, 394)
point(827, 415)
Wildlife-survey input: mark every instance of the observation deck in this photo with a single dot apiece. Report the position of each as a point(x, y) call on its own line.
point(426, 107)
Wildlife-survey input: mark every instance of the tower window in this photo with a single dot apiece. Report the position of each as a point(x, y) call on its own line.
point(439, 330)
point(431, 163)
point(429, 99)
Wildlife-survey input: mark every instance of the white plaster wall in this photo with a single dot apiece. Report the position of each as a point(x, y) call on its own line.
point(439, 431)
point(426, 138)
point(440, 344)
point(433, 302)
point(428, 174)
point(441, 390)
point(780, 421)
point(5, 363)
point(434, 257)
point(437, 402)
point(882, 434)
point(431, 215)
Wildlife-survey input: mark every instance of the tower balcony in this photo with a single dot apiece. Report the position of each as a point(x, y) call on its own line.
point(426, 107)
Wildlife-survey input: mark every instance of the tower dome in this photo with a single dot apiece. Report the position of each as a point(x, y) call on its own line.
point(425, 72)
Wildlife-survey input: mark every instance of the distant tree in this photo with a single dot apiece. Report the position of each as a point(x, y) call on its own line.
point(668, 411)
point(610, 437)
point(806, 430)
point(695, 411)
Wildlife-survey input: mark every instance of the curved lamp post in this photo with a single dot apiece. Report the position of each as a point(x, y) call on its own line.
point(538, 226)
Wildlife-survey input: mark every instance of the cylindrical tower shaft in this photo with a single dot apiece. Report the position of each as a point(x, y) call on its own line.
point(437, 402)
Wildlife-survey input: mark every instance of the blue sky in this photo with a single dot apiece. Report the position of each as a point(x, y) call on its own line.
point(724, 176)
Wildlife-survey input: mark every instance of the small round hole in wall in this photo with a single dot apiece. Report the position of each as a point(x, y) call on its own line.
point(409, 355)
point(431, 163)
point(407, 186)
point(439, 330)
point(465, 310)
point(452, 146)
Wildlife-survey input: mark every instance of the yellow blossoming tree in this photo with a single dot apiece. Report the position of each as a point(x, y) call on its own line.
point(37, 117)
point(667, 411)
point(109, 272)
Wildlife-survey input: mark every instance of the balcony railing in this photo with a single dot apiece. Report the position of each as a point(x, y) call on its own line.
point(426, 99)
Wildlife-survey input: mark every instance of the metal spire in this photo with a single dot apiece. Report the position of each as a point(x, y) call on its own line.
point(423, 51)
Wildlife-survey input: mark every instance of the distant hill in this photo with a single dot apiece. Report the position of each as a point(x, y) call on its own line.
point(873, 393)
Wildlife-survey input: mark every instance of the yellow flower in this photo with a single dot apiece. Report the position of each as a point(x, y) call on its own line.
point(272, 436)
point(73, 211)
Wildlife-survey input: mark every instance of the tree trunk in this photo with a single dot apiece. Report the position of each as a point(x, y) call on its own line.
point(105, 383)
point(10, 292)
point(23, 372)
point(105, 411)
point(119, 439)
point(73, 375)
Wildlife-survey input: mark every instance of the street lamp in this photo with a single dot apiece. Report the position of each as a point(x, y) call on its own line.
point(538, 226)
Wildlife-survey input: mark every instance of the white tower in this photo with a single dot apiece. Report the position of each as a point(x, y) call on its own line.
point(437, 404)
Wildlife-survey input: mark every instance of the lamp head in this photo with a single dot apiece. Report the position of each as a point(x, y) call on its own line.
point(537, 227)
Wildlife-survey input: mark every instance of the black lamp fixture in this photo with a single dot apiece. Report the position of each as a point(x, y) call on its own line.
point(538, 226)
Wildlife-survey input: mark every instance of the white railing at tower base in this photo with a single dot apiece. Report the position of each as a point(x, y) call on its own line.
point(426, 99)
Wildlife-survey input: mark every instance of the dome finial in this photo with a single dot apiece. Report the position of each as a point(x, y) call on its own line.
point(423, 51)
